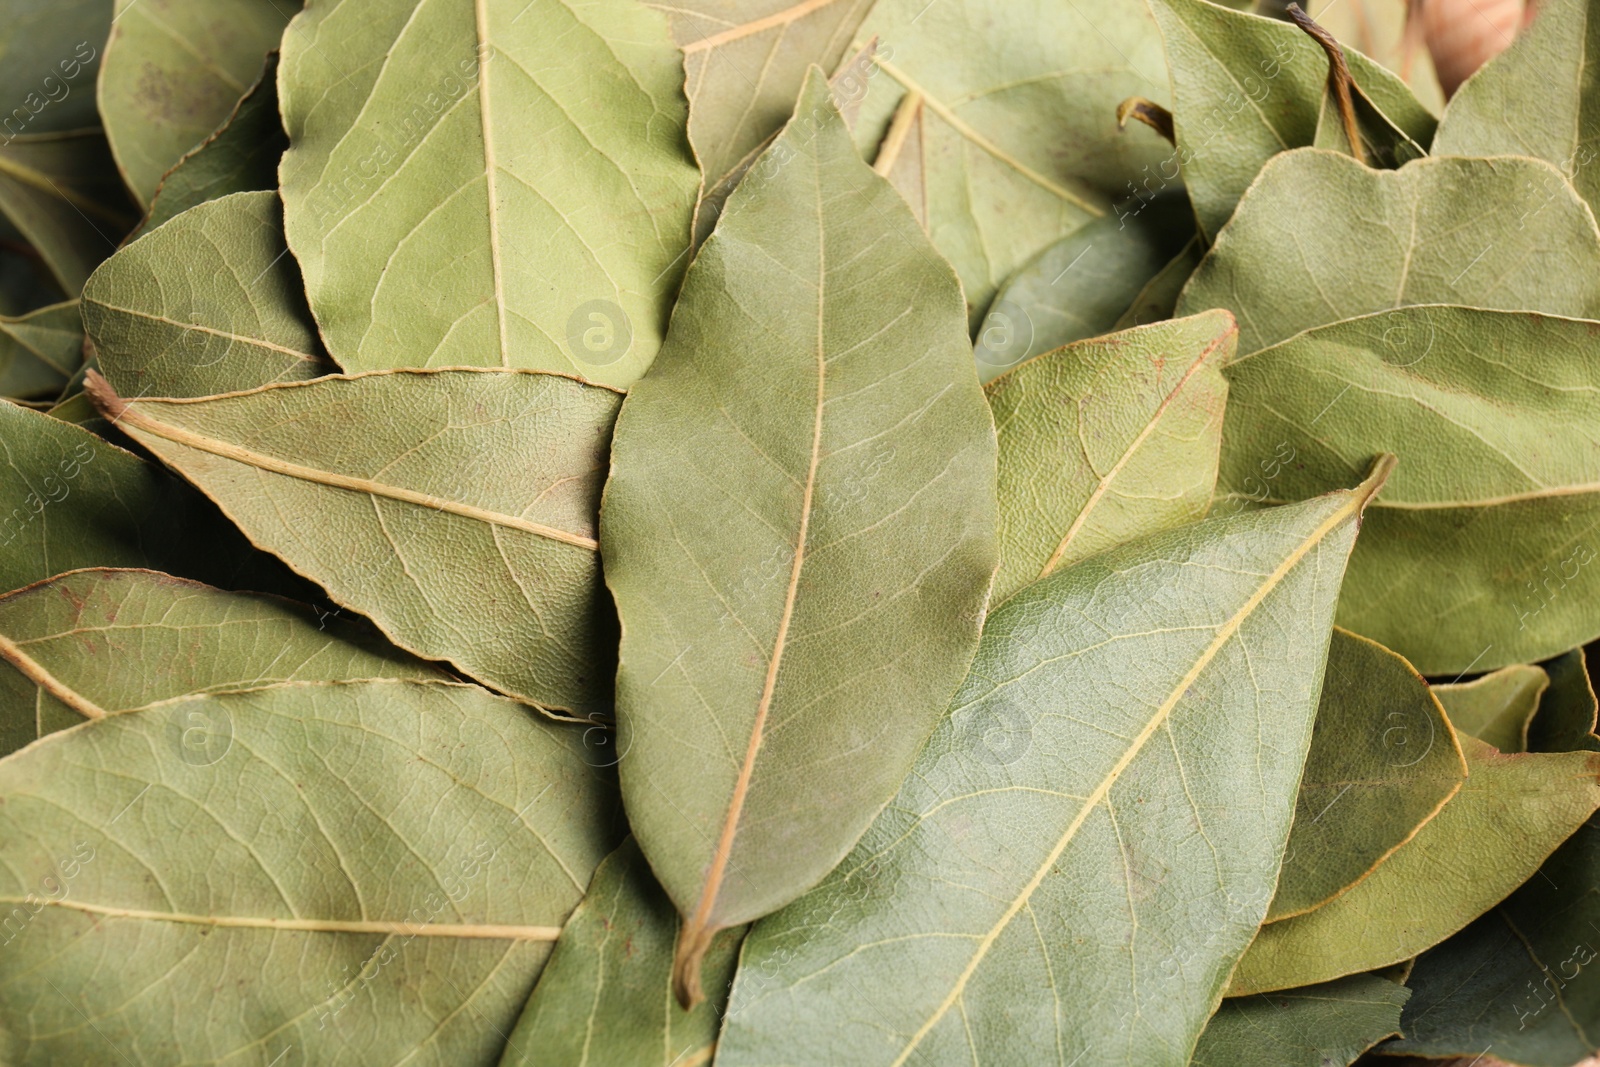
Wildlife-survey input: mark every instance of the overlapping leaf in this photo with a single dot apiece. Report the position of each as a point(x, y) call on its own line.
point(39, 351)
point(1325, 1025)
point(1497, 708)
point(62, 194)
point(1565, 721)
point(49, 57)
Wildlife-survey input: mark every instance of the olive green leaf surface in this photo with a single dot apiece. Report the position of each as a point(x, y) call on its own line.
point(501, 183)
point(1092, 835)
point(1537, 98)
point(1499, 480)
point(459, 517)
point(39, 351)
point(1158, 298)
point(605, 998)
point(1246, 88)
point(1383, 762)
point(234, 318)
point(1320, 238)
point(49, 57)
point(902, 158)
point(1079, 286)
point(1382, 143)
point(1020, 137)
point(1513, 811)
point(1104, 441)
point(374, 871)
point(66, 646)
point(1565, 721)
point(239, 156)
point(799, 525)
point(173, 70)
point(1498, 707)
point(63, 195)
point(1377, 28)
point(1326, 1025)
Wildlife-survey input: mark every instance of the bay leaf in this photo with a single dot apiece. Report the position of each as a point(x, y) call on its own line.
point(1438, 231)
point(1108, 440)
point(40, 350)
point(1377, 28)
point(819, 363)
point(1511, 814)
point(69, 646)
point(1326, 1025)
point(605, 996)
point(61, 192)
point(173, 70)
point(359, 872)
point(1498, 707)
point(1565, 721)
point(1020, 138)
point(1488, 528)
point(1158, 298)
point(49, 57)
point(1383, 761)
point(233, 318)
point(1079, 286)
point(903, 156)
point(501, 183)
point(240, 155)
point(459, 517)
point(1247, 88)
point(1093, 833)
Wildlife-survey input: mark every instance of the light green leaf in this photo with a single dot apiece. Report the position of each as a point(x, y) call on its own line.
point(1320, 238)
point(460, 519)
point(173, 71)
point(1537, 98)
point(234, 318)
point(505, 183)
point(1513, 811)
point(1020, 134)
point(1079, 286)
point(799, 525)
point(1106, 441)
point(49, 56)
point(361, 872)
point(1498, 707)
point(240, 155)
point(1383, 761)
point(92, 643)
point(1490, 525)
point(1156, 301)
point(1326, 1025)
point(605, 997)
point(39, 351)
point(1246, 88)
point(63, 196)
point(1565, 721)
point(1092, 835)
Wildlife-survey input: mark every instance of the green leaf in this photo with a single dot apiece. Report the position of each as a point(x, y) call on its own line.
point(49, 57)
point(362, 872)
point(1105, 441)
point(1326, 1025)
point(1299, 254)
point(1383, 761)
point(241, 155)
point(1020, 133)
point(62, 193)
point(173, 71)
point(1156, 301)
point(1092, 835)
point(1079, 286)
point(1565, 721)
point(235, 318)
point(39, 351)
point(605, 996)
point(1489, 526)
point(460, 519)
point(93, 643)
point(1246, 88)
point(1498, 707)
point(799, 525)
point(1537, 98)
point(1513, 811)
point(502, 183)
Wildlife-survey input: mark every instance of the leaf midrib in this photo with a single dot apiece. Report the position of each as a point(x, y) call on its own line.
point(40, 676)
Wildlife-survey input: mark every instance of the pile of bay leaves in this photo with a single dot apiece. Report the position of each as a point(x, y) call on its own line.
point(795, 532)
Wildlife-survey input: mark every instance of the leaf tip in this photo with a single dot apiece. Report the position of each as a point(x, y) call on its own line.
point(1377, 477)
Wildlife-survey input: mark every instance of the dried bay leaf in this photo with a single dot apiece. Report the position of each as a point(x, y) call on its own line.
point(362, 872)
point(1156, 301)
point(1326, 1025)
point(1510, 815)
point(235, 317)
point(68, 645)
point(605, 996)
point(1565, 721)
point(40, 350)
point(63, 195)
point(459, 515)
point(1383, 761)
point(173, 70)
point(1092, 835)
point(1105, 441)
point(500, 183)
point(1498, 707)
point(798, 526)
point(49, 57)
